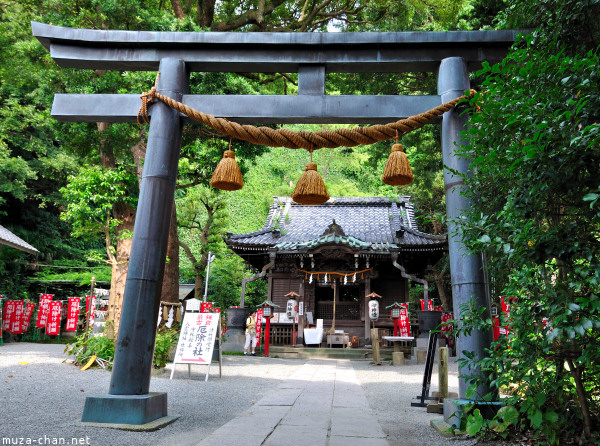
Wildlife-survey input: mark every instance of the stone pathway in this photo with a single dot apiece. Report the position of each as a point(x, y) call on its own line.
point(321, 404)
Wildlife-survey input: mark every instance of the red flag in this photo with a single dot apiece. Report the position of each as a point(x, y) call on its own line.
point(92, 312)
point(9, 309)
point(27, 317)
point(16, 321)
point(259, 318)
point(53, 322)
point(42, 315)
point(404, 321)
point(73, 313)
point(429, 305)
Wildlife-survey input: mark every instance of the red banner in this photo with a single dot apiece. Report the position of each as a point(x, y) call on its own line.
point(27, 316)
point(403, 321)
point(92, 312)
point(42, 315)
point(73, 313)
point(447, 329)
point(204, 307)
point(9, 310)
point(16, 321)
point(429, 305)
point(505, 305)
point(259, 318)
point(53, 322)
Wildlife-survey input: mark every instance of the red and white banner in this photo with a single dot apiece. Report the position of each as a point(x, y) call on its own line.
point(27, 316)
point(16, 321)
point(73, 313)
point(447, 329)
point(204, 307)
point(91, 312)
point(42, 315)
point(429, 305)
point(403, 321)
point(259, 318)
point(9, 311)
point(53, 322)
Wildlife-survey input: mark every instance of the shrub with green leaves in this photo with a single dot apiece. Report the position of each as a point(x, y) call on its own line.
point(534, 142)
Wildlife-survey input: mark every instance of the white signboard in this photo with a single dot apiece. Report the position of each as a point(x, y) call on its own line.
point(283, 319)
point(197, 339)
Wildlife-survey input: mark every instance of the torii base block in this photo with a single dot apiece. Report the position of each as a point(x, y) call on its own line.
point(123, 410)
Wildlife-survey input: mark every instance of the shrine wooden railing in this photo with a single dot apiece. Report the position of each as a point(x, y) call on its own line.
point(344, 311)
point(280, 335)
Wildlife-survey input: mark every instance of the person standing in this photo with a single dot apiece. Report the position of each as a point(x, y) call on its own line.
point(250, 334)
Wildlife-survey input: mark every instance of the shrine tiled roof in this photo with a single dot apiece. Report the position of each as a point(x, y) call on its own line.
point(10, 239)
point(368, 223)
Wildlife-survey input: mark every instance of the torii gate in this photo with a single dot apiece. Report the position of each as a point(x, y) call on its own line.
point(311, 55)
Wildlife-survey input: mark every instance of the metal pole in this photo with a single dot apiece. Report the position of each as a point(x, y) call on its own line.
point(466, 269)
point(211, 257)
point(133, 356)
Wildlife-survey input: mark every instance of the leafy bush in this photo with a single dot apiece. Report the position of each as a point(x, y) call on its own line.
point(534, 143)
point(104, 348)
point(100, 346)
point(165, 339)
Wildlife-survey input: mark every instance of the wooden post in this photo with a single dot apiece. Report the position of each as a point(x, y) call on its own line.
point(375, 344)
point(443, 372)
point(89, 310)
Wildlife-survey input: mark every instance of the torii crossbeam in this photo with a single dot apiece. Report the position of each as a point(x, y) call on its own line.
point(311, 55)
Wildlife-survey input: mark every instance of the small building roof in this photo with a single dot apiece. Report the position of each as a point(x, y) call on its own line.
point(368, 223)
point(10, 239)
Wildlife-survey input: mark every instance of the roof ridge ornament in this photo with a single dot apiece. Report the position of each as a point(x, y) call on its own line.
point(334, 229)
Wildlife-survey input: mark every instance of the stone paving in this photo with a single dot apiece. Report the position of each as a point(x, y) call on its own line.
point(322, 403)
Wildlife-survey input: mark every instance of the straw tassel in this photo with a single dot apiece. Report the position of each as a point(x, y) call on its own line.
point(310, 188)
point(397, 171)
point(227, 175)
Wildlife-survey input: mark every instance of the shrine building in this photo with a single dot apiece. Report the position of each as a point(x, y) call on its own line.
point(335, 254)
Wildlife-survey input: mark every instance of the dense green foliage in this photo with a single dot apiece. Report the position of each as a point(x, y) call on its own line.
point(534, 143)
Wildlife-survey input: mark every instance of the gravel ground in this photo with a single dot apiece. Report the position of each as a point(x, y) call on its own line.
point(43, 397)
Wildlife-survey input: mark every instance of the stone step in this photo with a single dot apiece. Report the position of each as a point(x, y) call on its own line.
point(334, 353)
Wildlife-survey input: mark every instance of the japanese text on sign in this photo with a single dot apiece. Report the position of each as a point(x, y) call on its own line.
point(53, 322)
point(197, 338)
point(42, 316)
point(73, 313)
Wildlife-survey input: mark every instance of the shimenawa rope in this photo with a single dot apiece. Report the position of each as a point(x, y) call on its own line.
point(300, 139)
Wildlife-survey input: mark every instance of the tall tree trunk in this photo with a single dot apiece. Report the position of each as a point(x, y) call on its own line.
point(581, 396)
point(170, 286)
point(126, 214)
point(440, 285)
point(177, 11)
point(199, 267)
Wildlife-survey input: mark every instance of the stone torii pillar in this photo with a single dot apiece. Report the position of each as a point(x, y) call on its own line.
point(129, 400)
point(466, 269)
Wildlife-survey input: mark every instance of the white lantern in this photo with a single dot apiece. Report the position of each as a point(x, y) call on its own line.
point(291, 308)
point(373, 310)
